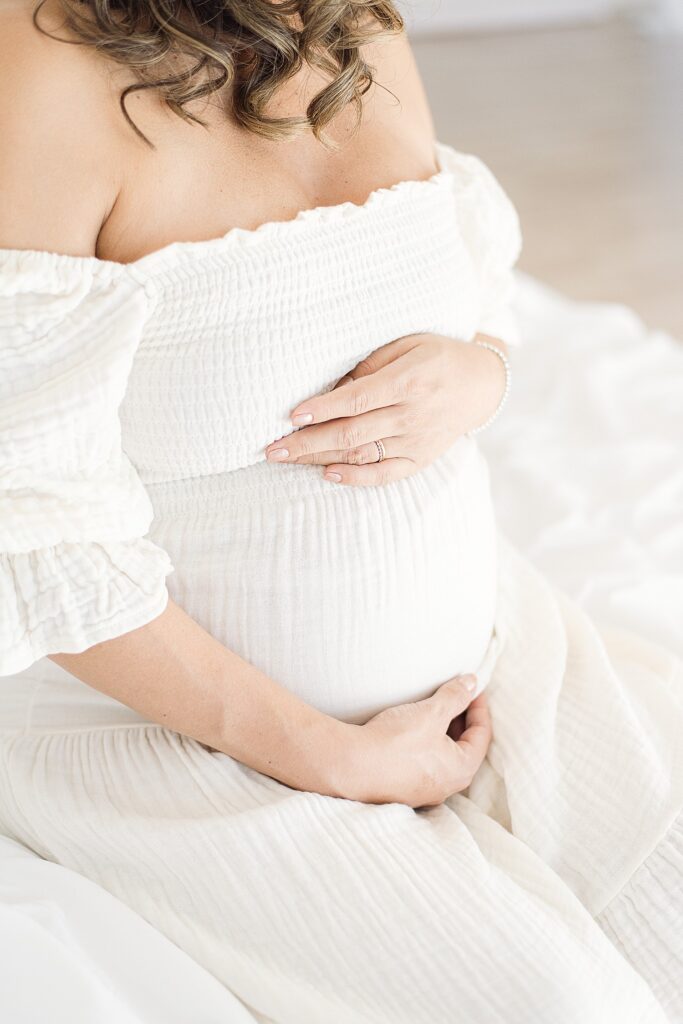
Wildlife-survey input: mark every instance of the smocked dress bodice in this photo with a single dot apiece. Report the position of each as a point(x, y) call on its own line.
point(137, 400)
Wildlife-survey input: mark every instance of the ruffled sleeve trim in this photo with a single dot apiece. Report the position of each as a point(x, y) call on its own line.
point(66, 598)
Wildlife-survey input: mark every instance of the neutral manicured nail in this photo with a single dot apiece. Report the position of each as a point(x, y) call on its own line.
point(278, 454)
point(302, 417)
point(333, 476)
point(470, 682)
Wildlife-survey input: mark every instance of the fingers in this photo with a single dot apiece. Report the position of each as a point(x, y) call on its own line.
point(476, 739)
point(383, 378)
point(363, 455)
point(464, 750)
point(452, 698)
point(359, 466)
point(340, 435)
point(385, 386)
point(385, 354)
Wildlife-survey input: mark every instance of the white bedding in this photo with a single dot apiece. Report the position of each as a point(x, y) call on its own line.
point(587, 460)
point(70, 953)
point(588, 482)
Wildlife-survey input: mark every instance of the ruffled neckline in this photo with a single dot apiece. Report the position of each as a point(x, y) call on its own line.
point(303, 220)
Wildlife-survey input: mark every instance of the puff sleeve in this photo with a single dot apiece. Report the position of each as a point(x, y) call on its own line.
point(491, 231)
point(75, 567)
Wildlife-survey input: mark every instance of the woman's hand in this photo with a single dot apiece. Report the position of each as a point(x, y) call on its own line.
point(417, 395)
point(421, 753)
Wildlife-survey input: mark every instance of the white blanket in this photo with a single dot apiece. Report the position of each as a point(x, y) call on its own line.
point(588, 483)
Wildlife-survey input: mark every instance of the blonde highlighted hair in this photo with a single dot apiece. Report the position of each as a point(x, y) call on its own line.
point(250, 46)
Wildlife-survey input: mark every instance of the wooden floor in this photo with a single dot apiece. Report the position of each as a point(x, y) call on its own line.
point(584, 128)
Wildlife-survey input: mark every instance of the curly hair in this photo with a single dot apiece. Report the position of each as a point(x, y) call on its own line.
point(252, 46)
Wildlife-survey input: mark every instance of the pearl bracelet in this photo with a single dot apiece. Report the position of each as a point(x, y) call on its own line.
point(503, 358)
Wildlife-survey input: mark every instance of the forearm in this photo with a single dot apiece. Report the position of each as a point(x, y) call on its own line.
point(175, 673)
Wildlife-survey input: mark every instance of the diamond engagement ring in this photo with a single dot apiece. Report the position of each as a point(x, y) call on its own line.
point(380, 450)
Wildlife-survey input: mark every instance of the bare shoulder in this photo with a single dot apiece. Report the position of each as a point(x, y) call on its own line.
point(58, 122)
point(399, 96)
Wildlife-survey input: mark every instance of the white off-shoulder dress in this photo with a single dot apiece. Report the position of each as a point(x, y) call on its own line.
point(137, 400)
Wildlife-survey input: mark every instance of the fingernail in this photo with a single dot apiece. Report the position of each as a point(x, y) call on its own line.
point(470, 682)
point(278, 454)
point(333, 476)
point(302, 417)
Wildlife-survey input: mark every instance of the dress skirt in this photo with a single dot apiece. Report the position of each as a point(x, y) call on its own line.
point(551, 891)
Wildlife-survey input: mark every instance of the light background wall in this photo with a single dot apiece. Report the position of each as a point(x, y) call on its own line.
point(583, 125)
point(666, 15)
point(427, 16)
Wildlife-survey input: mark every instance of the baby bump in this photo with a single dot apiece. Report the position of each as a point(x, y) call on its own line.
point(355, 598)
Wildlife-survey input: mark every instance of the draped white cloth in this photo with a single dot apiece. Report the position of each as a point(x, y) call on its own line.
point(310, 908)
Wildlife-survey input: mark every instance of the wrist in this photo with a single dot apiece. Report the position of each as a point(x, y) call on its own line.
point(494, 379)
point(340, 765)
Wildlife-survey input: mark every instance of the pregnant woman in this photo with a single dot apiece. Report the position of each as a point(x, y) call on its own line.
point(252, 589)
